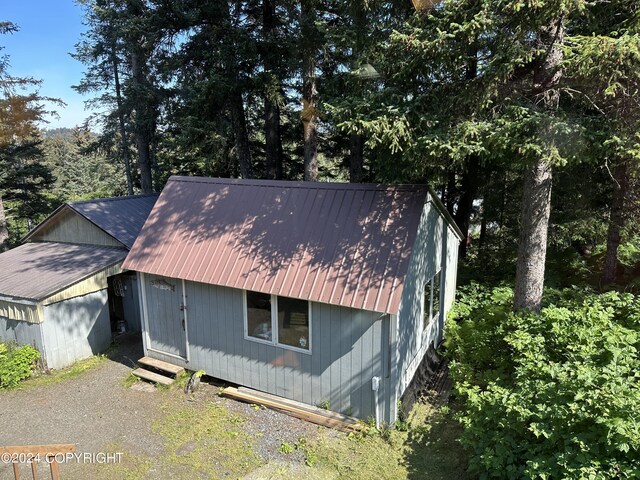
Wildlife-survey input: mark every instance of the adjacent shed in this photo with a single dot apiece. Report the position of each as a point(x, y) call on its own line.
point(64, 291)
point(317, 292)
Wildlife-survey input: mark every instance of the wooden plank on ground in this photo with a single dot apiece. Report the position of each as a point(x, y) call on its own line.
point(302, 406)
point(319, 418)
point(160, 365)
point(152, 376)
point(41, 450)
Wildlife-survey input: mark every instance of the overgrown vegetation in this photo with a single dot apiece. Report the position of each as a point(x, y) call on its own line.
point(16, 363)
point(549, 395)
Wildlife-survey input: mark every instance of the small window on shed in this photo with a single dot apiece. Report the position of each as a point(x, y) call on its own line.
point(431, 300)
point(293, 323)
point(259, 323)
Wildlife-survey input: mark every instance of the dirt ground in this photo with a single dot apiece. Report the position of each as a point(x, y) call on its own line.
point(98, 412)
point(162, 433)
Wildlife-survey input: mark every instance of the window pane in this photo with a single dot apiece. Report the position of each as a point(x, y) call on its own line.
point(259, 315)
point(293, 322)
point(426, 305)
point(436, 295)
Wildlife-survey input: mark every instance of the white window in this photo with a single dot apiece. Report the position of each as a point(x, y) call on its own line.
point(431, 300)
point(281, 321)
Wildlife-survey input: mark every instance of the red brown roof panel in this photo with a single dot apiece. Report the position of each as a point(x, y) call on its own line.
point(342, 244)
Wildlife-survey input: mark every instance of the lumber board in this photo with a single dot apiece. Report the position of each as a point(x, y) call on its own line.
point(160, 365)
point(319, 418)
point(38, 449)
point(302, 406)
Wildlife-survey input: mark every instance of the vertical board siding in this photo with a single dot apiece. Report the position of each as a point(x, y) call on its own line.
point(73, 228)
point(23, 333)
point(75, 329)
point(346, 352)
point(436, 249)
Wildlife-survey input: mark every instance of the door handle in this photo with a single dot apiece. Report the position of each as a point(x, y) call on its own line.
point(183, 324)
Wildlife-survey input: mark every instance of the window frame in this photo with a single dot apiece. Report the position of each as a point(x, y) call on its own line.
point(430, 284)
point(274, 342)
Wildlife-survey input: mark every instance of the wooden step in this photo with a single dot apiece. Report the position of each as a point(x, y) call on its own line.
point(160, 365)
point(152, 377)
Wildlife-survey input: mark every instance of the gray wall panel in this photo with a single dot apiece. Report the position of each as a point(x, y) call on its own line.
point(436, 249)
point(346, 352)
point(23, 333)
point(75, 329)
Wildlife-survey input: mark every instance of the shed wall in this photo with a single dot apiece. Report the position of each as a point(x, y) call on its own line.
point(349, 347)
point(436, 249)
point(24, 333)
point(71, 227)
point(75, 329)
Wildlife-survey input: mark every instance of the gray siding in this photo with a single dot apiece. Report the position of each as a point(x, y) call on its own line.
point(349, 347)
point(22, 332)
point(71, 227)
point(76, 328)
point(436, 249)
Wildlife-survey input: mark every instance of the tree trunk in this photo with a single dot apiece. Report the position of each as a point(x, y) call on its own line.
point(240, 134)
point(309, 112)
point(143, 128)
point(356, 158)
point(4, 231)
point(616, 223)
point(123, 132)
point(469, 189)
point(273, 151)
point(536, 195)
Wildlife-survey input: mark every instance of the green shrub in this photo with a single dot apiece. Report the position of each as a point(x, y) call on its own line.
point(549, 395)
point(16, 363)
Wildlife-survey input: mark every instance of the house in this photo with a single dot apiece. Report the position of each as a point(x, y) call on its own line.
point(316, 292)
point(64, 290)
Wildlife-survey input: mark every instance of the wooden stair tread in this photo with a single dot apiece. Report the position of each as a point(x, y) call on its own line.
point(160, 365)
point(152, 376)
point(319, 417)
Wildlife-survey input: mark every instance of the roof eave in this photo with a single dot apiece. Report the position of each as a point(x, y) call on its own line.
point(433, 197)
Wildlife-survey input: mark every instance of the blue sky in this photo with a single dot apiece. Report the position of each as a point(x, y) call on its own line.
point(49, 29)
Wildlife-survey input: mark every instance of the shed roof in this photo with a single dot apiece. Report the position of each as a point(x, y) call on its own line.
point(120, 217)
point(342, 244)
point(35, 271)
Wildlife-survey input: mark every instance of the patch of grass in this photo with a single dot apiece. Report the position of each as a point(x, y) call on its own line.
point(131, 467)
point(129, 380)
point(205, 440)
point(428, 449)
point(56, 376)
point(286, 448)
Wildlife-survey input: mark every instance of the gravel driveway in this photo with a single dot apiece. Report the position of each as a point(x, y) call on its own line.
point(91, 410)
point(96, 412)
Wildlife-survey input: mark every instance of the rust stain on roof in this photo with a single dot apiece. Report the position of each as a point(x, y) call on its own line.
point(342, 244)
point(35, 271)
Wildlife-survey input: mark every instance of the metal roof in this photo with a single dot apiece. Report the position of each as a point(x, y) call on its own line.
point(120, 217)
point(34, 271)
point(342, 244)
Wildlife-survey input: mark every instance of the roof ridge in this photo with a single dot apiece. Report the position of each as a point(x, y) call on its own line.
point(113, 199)
point(299, 184)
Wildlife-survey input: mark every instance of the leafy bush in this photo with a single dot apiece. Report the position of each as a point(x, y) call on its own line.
point(549, 395)
point(16, 363)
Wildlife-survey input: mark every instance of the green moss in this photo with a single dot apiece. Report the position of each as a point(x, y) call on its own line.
point(205, 439)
